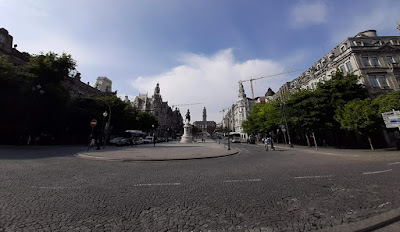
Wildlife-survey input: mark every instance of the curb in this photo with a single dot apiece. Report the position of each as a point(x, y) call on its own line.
point(92, 157)
point(370, 224)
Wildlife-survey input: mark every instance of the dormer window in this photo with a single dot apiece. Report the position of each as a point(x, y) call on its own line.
point(358, 43)
point(343, 48)
point(394, 42)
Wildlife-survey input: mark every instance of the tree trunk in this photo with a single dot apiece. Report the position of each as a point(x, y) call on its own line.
point(315, 141)
point(308, 140)
point(370, 143)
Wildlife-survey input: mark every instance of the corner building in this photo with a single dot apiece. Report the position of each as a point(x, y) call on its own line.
point(375, 59)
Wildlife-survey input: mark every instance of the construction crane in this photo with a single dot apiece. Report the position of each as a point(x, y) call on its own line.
point(189, 104)
point(257, 78)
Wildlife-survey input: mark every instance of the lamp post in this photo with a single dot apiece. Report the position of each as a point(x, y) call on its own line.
point(105, 114)
point(287, 128)
point(154, 139)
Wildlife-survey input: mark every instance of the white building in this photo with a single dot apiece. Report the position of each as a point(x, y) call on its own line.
point(375, 59)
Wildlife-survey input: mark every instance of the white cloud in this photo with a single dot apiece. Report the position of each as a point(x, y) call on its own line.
point(211, 80)
point(307, 13)
point(381, 16)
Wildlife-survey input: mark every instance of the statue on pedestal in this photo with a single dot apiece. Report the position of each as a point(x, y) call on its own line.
point(188, 116)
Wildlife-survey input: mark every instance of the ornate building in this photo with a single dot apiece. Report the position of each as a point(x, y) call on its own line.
point(170, 121)
point(375, 59)
point(73, 85)
point(205, 126)
point(8, 49)
point(235, 115)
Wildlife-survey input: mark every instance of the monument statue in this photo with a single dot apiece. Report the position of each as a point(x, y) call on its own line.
point(188, 116)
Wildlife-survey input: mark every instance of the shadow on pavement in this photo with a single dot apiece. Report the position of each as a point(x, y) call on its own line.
point(38, 152)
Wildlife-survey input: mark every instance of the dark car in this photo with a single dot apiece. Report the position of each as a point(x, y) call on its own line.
point(251, 140)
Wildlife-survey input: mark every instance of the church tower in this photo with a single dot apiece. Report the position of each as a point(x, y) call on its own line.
point(204, 119)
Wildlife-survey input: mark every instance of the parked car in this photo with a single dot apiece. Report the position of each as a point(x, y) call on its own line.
point(139, 140)
point(115, 140)
point(148, 139)
point(123, 142)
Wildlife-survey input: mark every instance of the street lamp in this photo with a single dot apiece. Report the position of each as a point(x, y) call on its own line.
point(154, 140)
point(105, 114)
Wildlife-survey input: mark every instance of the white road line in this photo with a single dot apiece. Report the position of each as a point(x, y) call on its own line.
point(369, 173)
point(249, 180)
point(312, 177)
point(394, 163)
point(156, 184)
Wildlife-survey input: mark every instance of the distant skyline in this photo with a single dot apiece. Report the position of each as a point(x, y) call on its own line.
point(196, 50)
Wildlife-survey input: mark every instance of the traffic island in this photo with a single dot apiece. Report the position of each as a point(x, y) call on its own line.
point(161, 152)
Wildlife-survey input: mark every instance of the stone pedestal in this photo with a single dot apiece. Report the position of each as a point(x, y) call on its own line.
point(187, 134)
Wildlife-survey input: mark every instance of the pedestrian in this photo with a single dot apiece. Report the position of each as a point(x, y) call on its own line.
point(272, 145)
point(267, 142)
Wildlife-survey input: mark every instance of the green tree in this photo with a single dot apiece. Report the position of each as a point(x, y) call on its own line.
point(360, 116)
point(146, 122)
point(387, 102)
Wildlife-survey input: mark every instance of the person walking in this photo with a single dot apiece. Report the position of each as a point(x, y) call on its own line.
point(272, 144)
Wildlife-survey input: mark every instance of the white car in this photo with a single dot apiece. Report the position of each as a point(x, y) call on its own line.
point(138, 140)
point(115, 140)
point(148, 139)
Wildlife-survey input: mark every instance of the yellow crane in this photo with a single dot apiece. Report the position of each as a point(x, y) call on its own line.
point(257, 78)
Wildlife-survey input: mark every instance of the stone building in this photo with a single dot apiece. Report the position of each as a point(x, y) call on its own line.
point(375, 59)
point(77, 88)
point(207, 127)
point(235, 115)
point(170, 121)
point(74, 85)
point(8, 49)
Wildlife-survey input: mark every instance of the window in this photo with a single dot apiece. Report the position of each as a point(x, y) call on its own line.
point(343, 69)
point(358, 43)
point(374, 61)
point(343, 48)
point(333, 73)
point(365, 61)
point(378, 81)
point(389, 59)
point(374, 82)
point(382, 81)
point(394, 42)
point(349, 66)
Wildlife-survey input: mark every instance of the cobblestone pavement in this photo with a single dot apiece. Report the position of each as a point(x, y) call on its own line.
point(49, 189)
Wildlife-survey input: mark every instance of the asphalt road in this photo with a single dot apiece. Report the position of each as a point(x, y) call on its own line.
point(50, 189)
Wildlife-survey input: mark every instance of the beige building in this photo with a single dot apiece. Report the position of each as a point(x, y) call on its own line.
point(235, 115)
point(375, 59)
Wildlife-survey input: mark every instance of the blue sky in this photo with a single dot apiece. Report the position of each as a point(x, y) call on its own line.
point(196, 50)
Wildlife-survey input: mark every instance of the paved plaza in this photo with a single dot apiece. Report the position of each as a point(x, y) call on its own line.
point(245, 189)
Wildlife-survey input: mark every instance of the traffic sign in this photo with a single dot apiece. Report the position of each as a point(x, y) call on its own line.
point(93, 123)
point(283, 128)
point(391, 119)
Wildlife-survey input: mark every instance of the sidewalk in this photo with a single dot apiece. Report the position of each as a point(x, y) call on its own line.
point(389, 153)
point(172, 150)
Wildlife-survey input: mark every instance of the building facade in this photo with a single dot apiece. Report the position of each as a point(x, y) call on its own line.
point(170, 121)
point(7, 48)
point(235, 115)
point(374, 59)
point(206, 127)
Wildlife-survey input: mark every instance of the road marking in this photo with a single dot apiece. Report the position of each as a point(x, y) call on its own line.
point(312, 177)
point(369, 173)
point(381, 205)
point(235, 181)
point(54, 187)
point(394, 163)
point(156, 184)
